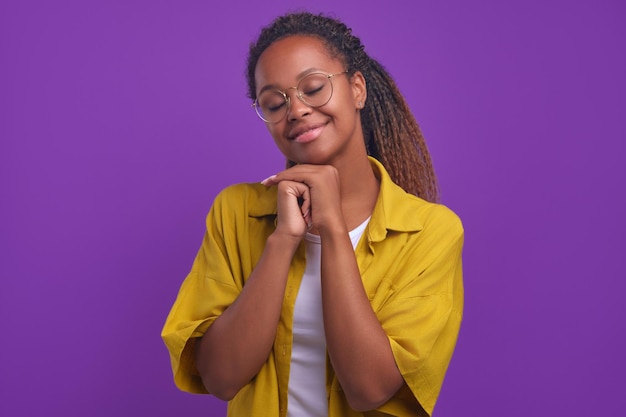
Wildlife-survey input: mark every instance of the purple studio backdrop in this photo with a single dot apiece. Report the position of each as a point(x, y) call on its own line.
point(121, 120)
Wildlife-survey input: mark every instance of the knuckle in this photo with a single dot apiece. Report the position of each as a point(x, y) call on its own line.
point(329, 170)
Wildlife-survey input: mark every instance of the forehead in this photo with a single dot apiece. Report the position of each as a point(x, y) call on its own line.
point(285, 60)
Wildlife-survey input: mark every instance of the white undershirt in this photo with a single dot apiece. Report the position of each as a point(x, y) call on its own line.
point(307, 375)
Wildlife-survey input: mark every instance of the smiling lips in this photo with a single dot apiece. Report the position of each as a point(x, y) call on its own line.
point(306, 133)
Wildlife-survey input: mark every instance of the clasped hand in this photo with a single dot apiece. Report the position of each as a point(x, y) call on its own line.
point(308, 198)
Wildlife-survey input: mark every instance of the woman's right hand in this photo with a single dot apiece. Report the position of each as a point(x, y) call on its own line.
point(294, 210)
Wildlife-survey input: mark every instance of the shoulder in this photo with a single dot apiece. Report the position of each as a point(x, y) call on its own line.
point(241, 191)
point(438, 226)
point(252, 199)
point(442, 235)
point(435, 216)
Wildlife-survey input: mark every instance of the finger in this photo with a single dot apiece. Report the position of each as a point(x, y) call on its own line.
point(269, 181)
point(286, 175)
point(305, 207)
point(296, 173)
point(307, 174)
point(298, 194)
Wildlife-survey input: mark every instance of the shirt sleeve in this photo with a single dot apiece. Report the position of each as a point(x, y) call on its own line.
point(422, 317)
point(209, 288)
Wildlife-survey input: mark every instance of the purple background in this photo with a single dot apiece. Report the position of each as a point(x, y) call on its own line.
point(120, 121)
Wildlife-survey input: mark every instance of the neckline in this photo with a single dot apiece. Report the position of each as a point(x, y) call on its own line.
point(310, 237)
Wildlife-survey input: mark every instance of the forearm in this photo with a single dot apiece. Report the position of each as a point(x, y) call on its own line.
point(357, 344)
point(238, 343)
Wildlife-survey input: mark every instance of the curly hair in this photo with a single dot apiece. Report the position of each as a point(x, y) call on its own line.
point(390, 130)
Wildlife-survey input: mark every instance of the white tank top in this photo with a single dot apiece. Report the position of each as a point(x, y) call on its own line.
point(307, 375)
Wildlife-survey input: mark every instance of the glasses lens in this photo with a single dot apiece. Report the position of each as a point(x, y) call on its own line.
point(315, 89)
point(271, 105)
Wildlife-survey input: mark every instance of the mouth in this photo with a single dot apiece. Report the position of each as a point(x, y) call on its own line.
point(306, 133)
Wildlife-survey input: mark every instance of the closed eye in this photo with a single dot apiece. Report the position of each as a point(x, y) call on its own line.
point(312, 92)
point(275, 108)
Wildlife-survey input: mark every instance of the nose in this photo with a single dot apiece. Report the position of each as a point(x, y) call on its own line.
point(297, 108)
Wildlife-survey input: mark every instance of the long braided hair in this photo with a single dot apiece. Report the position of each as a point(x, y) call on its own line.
point(391, 133)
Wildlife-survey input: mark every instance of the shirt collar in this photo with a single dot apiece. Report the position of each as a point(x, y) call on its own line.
point(395, 209)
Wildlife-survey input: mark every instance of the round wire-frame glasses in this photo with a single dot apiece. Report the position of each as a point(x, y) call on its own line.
point(314, 90)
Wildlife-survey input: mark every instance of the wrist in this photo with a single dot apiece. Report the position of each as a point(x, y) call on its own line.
point(333, 230)
point(283, 241)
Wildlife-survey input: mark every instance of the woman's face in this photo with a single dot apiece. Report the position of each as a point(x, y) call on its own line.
point(315, 135)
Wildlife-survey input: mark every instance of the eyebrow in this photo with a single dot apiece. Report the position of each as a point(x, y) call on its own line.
point(298, 77)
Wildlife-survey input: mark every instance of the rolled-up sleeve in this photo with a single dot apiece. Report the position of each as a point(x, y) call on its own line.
point(423, 316)
point(209, 288)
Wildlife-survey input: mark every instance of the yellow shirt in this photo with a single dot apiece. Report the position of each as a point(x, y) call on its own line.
point(410, 263)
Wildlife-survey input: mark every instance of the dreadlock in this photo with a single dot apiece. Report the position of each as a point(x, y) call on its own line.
point(391, 133)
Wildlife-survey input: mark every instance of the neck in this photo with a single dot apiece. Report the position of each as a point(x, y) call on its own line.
point(359, 190)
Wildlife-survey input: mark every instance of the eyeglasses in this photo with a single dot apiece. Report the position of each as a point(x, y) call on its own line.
point(314, 90)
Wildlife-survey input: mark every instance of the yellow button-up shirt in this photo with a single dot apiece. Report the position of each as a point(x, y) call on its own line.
point(410, 263)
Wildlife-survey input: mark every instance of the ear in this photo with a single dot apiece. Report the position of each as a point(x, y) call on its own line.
point(359, 90)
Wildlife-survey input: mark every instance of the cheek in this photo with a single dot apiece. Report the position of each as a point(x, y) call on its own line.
point(276, 132)
point(345, 105)
point(345, 112)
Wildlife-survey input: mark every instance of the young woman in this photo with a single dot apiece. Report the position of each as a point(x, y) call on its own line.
point(332, 288)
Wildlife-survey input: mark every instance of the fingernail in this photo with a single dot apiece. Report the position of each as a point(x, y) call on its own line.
point(268, 179)
point(305, 213)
